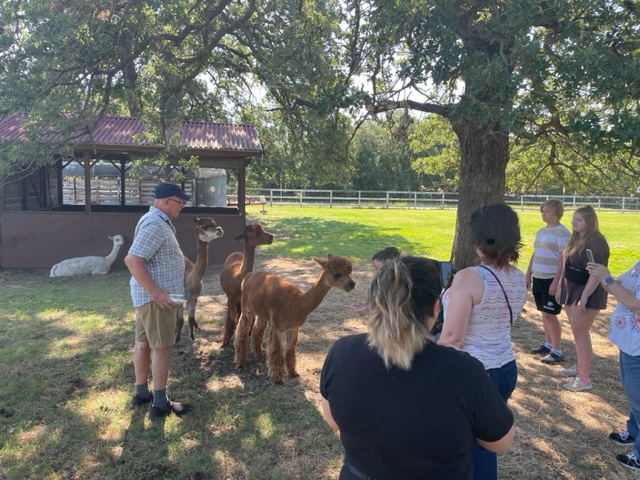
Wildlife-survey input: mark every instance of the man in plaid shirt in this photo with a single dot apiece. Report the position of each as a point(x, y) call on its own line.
point(156, 263)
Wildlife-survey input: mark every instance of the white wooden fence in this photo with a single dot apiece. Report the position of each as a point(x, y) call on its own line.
point(433, 200)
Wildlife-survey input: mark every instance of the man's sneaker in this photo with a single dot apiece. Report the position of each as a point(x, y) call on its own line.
point(622, 438)
point(156, 413)
point(629, 460)
point(137, 401)
point(578, 385)
point(541, 350)
point(552, 358)
point(568, 372)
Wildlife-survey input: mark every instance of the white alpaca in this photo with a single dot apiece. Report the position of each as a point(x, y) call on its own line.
point(88, 265)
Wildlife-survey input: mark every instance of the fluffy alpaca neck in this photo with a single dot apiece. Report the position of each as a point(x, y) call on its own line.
point(248, 259)
point(114, 253)
point(314, 296)
point(202, 258)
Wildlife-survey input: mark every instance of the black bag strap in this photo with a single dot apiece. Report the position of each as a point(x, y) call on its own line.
point(503, 290)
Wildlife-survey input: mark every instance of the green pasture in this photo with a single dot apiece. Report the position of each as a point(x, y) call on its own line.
point(303, 232)
point(66, 368)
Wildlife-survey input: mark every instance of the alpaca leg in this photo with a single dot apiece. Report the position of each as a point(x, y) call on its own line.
point(241, 342)
point(275, 357)
point(193, 325)
point(257, 335)
point(230, 323)
point(179, 323)
point(291, 338)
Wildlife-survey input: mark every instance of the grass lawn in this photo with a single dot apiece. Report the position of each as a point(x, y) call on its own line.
point(67, 373)
point(358, 233)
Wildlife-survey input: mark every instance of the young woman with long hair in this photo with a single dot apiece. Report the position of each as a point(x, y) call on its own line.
point(406, 407)
point(581, 294)
point(482, 304)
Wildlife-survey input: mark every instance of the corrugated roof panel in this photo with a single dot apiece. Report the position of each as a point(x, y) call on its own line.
point(111, 130)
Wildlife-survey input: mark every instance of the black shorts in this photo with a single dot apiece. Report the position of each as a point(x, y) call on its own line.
point(544, 301)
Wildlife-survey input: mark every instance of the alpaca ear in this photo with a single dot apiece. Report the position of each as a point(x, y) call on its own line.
point(329, 256)
point(196, 219)
point(321, 261)
point(241, 236)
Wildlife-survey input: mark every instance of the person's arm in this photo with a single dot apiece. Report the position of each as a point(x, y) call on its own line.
point(139, 271)
point(466, 290)
point(502, 445)
point(624, 296)
point(559, 275)
point(529, 271)
point(589, 288)
point(326, 413)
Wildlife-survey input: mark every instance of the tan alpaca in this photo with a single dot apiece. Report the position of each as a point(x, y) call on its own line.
point(206, 231)
point(268, 298)
point(235, 268)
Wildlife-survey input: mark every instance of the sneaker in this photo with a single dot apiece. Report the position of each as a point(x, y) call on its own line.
point(156, 413)
point(552, 358)
point(622, 438)
point(629, 460)
point(578, 385)
point(568, 372)
point(541, 350)
point(137, 401)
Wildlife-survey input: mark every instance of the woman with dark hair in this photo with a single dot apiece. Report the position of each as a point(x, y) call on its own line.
point(581, 294)
point(482, 304)
point(407, 408)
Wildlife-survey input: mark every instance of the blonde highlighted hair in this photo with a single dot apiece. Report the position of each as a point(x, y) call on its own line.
point(401, 298)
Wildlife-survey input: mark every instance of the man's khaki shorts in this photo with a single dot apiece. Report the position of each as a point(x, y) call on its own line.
point(155, 326)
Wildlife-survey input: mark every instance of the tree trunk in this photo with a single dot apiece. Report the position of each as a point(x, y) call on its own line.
point(484, 152)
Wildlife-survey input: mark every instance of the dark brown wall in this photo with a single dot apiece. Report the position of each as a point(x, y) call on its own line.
point(42, 239)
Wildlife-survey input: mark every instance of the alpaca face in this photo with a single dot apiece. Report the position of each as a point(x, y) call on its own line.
point(255, 235)
point(207, 230)
point(338, 272)
point(118, 240)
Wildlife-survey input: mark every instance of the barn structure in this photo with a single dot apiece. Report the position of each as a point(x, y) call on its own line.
point(43, 221)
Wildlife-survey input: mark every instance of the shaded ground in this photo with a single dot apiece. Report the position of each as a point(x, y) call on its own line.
point(561, 434)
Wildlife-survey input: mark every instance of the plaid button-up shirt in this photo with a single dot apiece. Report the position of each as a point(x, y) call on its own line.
point(155, 241)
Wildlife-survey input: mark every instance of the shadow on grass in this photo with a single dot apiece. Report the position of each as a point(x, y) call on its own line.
point(304, 237)
point(68, 378)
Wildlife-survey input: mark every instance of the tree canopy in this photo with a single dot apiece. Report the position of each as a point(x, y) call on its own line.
point(545, 89)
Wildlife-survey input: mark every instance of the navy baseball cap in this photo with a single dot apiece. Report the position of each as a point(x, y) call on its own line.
point(166, 190)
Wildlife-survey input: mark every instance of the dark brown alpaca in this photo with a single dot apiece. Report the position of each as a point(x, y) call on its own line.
point(206, 231)
point(235, 268)
point(267, 298)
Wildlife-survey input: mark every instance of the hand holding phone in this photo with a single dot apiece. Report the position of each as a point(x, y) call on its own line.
point(590, 256)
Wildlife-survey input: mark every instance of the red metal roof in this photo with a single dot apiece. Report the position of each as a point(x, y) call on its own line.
point(111, 130)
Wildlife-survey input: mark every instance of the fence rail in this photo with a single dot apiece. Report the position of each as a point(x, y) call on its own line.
point(428, 200)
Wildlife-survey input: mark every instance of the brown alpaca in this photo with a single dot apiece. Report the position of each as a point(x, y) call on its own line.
point(235, 268)
point(206, 231)
point(270, 299)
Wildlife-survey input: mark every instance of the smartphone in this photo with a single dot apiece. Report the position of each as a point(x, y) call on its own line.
point(590, 256)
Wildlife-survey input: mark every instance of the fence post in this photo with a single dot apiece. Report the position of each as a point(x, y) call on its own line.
point(387, 201)
point(359, 197)
point(623, 199)
point(521, 203)
point(330, 198)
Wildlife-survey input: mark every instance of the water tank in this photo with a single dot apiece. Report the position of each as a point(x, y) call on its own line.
point(211, 187)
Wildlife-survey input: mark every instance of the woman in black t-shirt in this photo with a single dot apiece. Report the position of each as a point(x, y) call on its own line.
point(405, 406)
